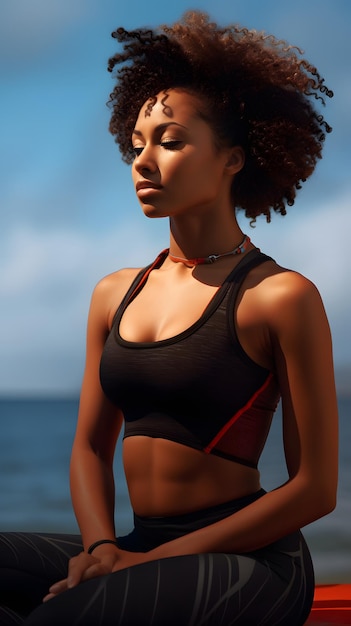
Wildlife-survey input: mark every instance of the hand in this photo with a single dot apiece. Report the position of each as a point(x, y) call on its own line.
point(83, 567)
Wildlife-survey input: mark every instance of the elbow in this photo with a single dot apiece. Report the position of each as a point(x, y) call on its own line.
point(324, 500)
point(328, 491)
point(326, 505)
point(330, 502)
point(317, 498)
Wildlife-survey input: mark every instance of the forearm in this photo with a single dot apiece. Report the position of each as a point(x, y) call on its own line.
point(93, 496)
point(266, 520)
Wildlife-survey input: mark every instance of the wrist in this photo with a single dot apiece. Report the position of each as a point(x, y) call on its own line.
point(101, 542)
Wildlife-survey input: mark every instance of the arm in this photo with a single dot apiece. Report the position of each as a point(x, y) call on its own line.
point(98, 427)
point(301, 344)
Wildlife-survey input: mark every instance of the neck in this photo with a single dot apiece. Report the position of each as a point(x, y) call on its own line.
point(193, 236)
point(240, 248)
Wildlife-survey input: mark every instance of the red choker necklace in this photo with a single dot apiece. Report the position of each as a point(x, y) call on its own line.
point(242, 247)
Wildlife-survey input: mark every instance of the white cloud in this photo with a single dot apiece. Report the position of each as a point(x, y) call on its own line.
point(55, 182)
point(34, 259)
point(47, 278)
point(27, 27)
point(316, 244)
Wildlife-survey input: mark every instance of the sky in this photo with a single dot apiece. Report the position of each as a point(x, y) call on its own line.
point(68, 213)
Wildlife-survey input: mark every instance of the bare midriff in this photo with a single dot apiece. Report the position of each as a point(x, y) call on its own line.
point(168, 478)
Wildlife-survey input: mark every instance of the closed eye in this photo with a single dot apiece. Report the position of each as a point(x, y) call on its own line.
point(172, 145)
point(137, 150)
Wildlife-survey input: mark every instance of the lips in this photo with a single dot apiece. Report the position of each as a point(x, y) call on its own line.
point(146, 184)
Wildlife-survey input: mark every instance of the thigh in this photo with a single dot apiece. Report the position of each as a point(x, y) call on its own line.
point(29, 564)
point(192, 590)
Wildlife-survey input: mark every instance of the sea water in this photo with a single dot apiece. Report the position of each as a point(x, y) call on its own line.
point(36, 437)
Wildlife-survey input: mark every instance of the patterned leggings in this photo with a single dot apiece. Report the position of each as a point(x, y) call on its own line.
point(270, 586)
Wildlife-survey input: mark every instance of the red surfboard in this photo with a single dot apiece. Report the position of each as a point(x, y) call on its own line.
point(331, 605)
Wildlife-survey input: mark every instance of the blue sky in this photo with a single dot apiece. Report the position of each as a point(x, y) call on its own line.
point(67, 207)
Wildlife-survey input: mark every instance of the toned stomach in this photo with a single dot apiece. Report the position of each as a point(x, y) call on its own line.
point(167, 478)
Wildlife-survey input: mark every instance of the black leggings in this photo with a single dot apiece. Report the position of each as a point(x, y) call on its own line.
point(270, 586)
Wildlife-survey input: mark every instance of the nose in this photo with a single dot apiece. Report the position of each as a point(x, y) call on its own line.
point(145, 161)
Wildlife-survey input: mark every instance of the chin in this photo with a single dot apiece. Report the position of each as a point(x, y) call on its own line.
point(151, 211)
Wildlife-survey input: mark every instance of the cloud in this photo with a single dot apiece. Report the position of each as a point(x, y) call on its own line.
point(47, 277)
point(65, 200)
point(29, 27)
point(46, 280)
point(35, 262)
point(314, 242)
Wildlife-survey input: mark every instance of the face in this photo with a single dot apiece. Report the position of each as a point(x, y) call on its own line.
point(178, 168)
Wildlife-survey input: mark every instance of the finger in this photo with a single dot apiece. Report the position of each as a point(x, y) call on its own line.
point(49, 596)
point(56, 589)
point(77, 568)
point(98, 569)
point(59, 586)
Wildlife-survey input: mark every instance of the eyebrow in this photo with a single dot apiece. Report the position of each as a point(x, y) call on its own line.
point(160, 127)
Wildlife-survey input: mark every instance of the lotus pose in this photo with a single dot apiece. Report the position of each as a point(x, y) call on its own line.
point(193, 353)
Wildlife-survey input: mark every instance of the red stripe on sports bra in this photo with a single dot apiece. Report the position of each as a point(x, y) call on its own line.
point(235, 417)
point(144, 278)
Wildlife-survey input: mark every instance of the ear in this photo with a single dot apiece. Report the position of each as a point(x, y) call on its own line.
point(235, 161)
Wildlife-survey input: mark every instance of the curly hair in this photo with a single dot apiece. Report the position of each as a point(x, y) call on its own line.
point(255, 91)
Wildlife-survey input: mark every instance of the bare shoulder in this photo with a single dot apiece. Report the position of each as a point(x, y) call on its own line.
point(281, 310)
point(116, 281)
point(284, 296)
point(281, 283)
point(110, 290)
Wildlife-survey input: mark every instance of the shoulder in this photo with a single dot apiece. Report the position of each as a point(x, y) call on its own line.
point(115, 282)
point(278, 297)
point(274, 286)
point(278, 307)
point(288, 301)
point(283, 289)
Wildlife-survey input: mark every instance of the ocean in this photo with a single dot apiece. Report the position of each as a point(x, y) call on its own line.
point(35, 445)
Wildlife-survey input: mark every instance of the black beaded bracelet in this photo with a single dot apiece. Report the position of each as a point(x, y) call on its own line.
point(99, 543)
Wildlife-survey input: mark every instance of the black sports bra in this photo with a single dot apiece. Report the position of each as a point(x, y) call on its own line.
point(199, 388)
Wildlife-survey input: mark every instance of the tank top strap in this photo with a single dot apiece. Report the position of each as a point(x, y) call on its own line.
point(251, 259)
point(236, 279)
point(138, 283)
point(142, 277)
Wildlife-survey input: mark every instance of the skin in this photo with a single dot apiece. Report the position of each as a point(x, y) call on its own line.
point(281, 324)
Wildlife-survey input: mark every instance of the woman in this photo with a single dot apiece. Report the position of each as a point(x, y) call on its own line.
point(194, 352)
